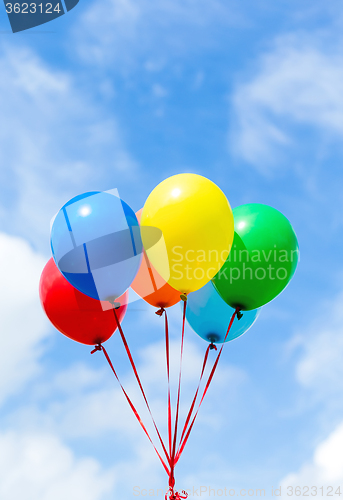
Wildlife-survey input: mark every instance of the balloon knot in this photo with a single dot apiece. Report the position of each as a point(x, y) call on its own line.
point(212, 346)
point(239, 315)
point(171, 481)
point(183, 297)
point(112, 300)
point(97, 347)
point(160, 311)
point(170, 495)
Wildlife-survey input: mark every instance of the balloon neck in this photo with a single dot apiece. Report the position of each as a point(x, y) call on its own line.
point(183, 297)
point(239, 315)
point(97, 347)
point(212, 346)
point(112, 300)
point(160, 311)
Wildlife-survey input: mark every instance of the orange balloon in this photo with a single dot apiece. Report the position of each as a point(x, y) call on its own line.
point(149, 285)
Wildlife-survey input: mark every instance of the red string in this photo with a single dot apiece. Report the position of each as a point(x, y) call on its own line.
point(182, 445)
point(100, 347)
point(139, 382)
point(172, 463)
point(151, 274)
point(168, 377)
point(211, 346)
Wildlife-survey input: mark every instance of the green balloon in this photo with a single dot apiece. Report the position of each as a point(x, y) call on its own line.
point(262, 260)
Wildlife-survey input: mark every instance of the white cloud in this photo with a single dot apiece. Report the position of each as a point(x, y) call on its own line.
point(127, 31)
point(319, 368)
point(319, 372)
point(325, 468)
point(22, 322)
point(54, 143)
point(40, 466)
point(297, 82)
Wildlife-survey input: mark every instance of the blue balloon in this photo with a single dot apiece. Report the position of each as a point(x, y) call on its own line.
point(209, 316)
point(96, 244)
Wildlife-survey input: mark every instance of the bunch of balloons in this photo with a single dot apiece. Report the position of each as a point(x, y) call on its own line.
point(185, 243)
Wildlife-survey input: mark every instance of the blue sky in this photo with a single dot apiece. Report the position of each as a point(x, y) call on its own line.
point(122, 94)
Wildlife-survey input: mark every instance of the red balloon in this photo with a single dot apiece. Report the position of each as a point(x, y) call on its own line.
point(73, 313)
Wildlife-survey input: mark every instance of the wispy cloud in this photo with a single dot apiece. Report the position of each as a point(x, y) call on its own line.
point(316, 351)
point(56, 141)
point(22, 323)
point(134, 33)
point(325, 469)
point(297, 83)
point(319, 368)
point(40, 466)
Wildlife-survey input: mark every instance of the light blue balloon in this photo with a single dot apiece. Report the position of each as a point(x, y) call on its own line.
point(209, 316)
point(96, 244)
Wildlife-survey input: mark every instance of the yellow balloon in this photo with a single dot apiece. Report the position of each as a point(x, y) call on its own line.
point(196, 222)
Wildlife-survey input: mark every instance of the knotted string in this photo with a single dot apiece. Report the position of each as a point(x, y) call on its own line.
point(171, 495)
point(97, 347)
point(160, 311)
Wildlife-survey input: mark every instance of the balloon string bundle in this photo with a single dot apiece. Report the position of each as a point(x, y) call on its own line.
point(174, 452)
point(168, 377)
point(171, 476)
point(139, 381)
point(100, 248)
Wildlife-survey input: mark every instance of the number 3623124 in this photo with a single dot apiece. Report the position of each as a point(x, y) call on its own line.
point(32, 8)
